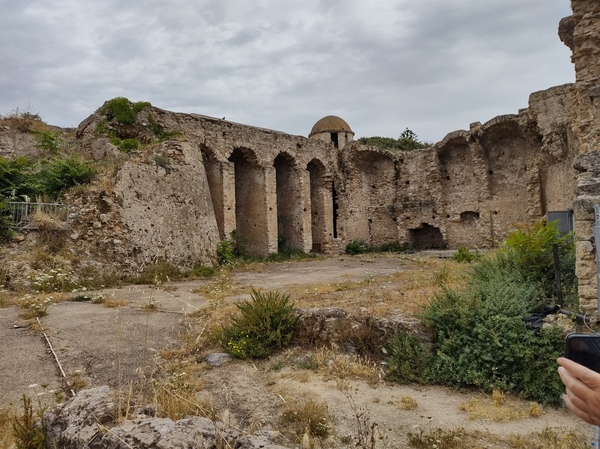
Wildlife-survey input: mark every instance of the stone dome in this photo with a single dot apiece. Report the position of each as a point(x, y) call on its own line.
point(331, 124)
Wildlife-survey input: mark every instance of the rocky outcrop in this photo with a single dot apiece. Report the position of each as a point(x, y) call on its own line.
point(88, 420)
point(333, 326)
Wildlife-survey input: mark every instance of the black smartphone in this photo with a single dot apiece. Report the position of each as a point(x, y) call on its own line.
point(584, 349)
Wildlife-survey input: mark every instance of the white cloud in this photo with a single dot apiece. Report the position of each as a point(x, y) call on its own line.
point(431, 65)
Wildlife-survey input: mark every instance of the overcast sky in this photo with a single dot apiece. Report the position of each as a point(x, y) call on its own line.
point(433, 66)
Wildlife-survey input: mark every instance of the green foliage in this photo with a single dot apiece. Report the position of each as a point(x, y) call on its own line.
point(160, 132)
point(481, 339)
point(122, 110)
point(51, 141)
point(48, 177)
point(28, 434)
point(128, 145)
point(408, 359)
point(62, 172)
point(464, 255)
point(5, 226)
point(156, 274)
point(225, 256)
point(531, 249)
point(407, 141)
point(267, 322)
point(356, 247)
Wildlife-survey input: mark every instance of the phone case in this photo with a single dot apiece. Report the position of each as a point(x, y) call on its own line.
point(584, 349)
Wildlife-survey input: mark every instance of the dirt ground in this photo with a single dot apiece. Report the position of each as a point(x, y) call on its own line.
point(99, 345)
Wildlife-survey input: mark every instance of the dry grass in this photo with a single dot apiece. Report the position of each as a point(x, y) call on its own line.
point(407, 403)
point(500, 408)
point(549, 439)
point(305, 418)
point(114, 303)
point(6, 436)
point(342, 366)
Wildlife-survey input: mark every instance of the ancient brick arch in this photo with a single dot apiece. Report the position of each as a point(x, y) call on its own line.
point(255, 206)
point(292, 230)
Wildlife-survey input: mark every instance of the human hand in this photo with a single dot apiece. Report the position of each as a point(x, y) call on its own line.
point(583, 390)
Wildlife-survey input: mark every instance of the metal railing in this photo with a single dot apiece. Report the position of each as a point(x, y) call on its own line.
point(37, 215)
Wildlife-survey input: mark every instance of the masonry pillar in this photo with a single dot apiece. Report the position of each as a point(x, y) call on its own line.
point(270, 182)
point(305, 231)
point(228, 207)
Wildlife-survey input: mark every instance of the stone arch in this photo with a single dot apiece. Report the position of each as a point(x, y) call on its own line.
point(221, 184)
point(322, 208)
point(426, 236)
point(291, 207)
point(254, 206)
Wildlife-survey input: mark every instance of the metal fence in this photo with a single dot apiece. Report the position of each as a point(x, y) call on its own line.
point(37, 215)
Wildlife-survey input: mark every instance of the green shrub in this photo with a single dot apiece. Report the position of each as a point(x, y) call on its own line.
point(62, 172)
point(464, 255)
point(530, 247)
point(16, 177)
point(128, 145)
point(267, 322)
point(27, 432)
point(122, 110)
point(51, 141)
point(5, 224)
point(481, 339)
point(409, 359)
point(356, 247)
point(225, 256)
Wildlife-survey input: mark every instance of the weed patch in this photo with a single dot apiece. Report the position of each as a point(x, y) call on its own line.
point(266, 322)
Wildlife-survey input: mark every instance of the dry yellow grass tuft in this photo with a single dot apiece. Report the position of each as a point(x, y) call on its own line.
point(407, 403)
point(6, 436)
point(500, 408)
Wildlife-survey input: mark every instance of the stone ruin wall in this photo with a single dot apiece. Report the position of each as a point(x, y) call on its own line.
point(581, 33)
point(466, 190)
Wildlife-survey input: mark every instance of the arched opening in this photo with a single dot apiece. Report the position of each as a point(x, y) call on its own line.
point(322, 207)
point(251, 209)
point(426, 237)
point(289, 203)
point(214, 170)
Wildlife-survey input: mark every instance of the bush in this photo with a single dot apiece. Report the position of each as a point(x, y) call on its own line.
point(122, 110)
point(409, 359)
point(530, 247)
point(267, 322)
point(62, 172)
point(464, 255)
point(225, 256)
point(356, 247)
point(481, 339)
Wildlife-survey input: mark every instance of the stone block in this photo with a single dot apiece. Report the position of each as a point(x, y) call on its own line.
point(584, 250)
point(583, 207)
point(585, 269)
point(584, 230)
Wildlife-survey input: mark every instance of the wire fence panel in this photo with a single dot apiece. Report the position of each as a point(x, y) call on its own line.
point(38, 215)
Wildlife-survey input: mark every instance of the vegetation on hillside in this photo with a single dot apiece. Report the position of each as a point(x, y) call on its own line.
point(407, 141)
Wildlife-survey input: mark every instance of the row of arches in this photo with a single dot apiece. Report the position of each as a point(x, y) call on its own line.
point(267, 205)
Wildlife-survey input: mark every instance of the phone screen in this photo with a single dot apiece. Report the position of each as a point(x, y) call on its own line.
point(584, 349)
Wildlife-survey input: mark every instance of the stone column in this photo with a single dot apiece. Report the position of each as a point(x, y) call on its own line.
point(228, 212)
point(305, 231)
point(270, 182)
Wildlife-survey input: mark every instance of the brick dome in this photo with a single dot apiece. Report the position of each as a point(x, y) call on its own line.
point(330, 124)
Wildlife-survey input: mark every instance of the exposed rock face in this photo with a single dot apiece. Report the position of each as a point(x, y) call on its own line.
point(87, 421)
point(168, 210)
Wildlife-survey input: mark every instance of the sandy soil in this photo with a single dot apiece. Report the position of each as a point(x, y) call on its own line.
point(98, 345)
